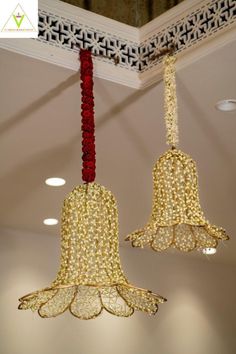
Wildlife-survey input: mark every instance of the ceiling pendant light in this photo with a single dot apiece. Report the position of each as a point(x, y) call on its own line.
point(177, 219)
point(90, 278)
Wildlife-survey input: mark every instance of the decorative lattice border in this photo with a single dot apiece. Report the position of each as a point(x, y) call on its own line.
point(186, 32)
point(190, 30)
point(70, 35)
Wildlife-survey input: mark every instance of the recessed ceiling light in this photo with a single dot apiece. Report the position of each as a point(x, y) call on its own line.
point(209, 250)
point(55, 181)
point(50, 221)
point(226, 105)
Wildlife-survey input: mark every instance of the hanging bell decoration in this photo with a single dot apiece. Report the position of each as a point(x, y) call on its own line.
point(177, 219)
point(90, 278)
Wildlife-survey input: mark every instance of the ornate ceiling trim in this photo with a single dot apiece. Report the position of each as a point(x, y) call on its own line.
point(192, 25)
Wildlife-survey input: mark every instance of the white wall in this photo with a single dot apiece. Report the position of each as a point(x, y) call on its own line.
point(199, 317)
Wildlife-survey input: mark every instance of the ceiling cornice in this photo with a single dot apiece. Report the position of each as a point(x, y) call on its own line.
point(196, 26)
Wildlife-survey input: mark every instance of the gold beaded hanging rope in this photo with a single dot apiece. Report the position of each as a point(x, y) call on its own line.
point(170, 104)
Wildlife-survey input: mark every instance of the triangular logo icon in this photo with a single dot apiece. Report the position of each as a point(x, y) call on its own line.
point(18, 21)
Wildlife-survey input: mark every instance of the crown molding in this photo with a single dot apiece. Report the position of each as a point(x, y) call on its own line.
point(197, 26)
point(185, 59)
point(69, 60)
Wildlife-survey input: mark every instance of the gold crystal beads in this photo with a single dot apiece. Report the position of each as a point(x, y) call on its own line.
point(90, 277)
point(170, 104)
point(177, 219)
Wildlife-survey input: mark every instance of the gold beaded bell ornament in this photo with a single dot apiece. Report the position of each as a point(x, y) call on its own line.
point(177, 219)
point(90, 278)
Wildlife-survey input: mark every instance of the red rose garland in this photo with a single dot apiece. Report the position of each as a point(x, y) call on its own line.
point(87, 113)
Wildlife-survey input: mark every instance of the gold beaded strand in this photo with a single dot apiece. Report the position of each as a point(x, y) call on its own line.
point(170, 105)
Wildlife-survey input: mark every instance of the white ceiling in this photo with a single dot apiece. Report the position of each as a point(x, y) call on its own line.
point(40, 137)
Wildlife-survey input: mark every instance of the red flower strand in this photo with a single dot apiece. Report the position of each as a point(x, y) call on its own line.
point(87, 113)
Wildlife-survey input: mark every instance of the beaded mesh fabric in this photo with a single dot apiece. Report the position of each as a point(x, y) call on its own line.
point(90, 278)
point(176, 219)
